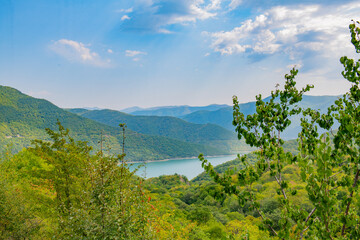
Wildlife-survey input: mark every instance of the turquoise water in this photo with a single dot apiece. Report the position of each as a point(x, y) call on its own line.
point(188, 167)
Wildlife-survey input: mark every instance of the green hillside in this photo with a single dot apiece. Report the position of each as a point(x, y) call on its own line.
point(23, 118)
point(171, 127)
point(224, 116)
point(221, 117)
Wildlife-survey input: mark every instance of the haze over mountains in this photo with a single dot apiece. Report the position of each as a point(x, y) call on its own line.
point(222, 115)
point(172, 111)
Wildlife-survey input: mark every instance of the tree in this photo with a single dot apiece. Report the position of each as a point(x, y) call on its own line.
point(18, 220)
point(263, 130)
point(327, 168)
point(97, 196)
point(336, 168)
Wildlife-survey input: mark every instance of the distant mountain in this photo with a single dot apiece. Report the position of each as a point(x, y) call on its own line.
point(77, 111)
point(92, 108)
point(221, 117)
point(131, 109)
point(23, 118)
point(224, 116)
point(172, 111)
point(172, 127)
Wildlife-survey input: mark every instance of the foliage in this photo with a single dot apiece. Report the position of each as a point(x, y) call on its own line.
point(263, 130)
point(336, 170)
point(14, 206)
point(172, 203)
point(60, 189)
point(73, 194)
point(246, 229)
point(327, 169)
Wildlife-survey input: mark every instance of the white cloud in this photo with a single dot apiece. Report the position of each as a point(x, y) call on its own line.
point(289, 29)
point(78, 52)
point(157, 15)
point(125, 17)
point(266, 42)
point(196, 11)
point(110, 51)
point(164, 31)
point(135, 55)
point(214, 5)
point(129, 10)
point(234, 4)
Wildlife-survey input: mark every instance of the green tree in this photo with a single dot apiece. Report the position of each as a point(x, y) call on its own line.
point(97, 196)
point(327, 167)
point(263, 130)
point(331, 168)
point(69, 163)
point(18, 219)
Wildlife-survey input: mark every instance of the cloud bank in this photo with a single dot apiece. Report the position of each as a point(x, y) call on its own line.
point(158, 15)
point(289, 29)
point(77, 52)
point(134, 54)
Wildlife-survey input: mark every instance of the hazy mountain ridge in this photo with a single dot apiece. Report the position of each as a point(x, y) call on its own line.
point(23, 118)
point(224, 116)
point(164, 126)
point(208, 134)
point(172, 111)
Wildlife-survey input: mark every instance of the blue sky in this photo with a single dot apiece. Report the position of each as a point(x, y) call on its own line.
point(118, 54)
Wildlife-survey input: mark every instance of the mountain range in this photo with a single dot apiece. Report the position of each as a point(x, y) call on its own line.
point(172, 127)
point(224, 116)
point(172, 111)
point(205, 129)
point(24, 118)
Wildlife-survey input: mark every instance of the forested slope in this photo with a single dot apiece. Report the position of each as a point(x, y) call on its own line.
point(208, 134)
point(23, 118)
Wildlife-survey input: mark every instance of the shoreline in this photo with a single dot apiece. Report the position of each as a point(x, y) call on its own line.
point(181, 158)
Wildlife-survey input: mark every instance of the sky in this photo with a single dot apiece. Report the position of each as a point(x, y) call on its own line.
point(117, 54)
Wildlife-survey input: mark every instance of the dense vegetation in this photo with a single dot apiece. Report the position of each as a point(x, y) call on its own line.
point(172, 127)
point(61, 189)
point(24, 118)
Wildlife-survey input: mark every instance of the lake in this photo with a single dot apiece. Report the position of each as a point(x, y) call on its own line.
point(188, 167)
